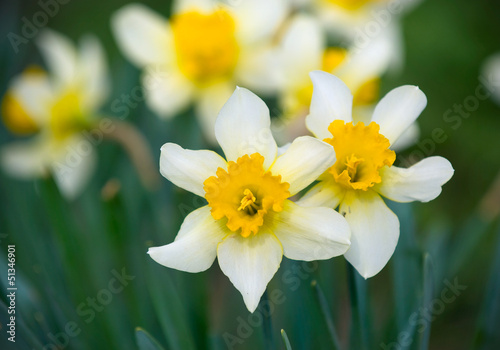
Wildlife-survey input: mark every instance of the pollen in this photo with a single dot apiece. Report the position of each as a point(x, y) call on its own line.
point(245, 194)
point(361, 152)
point(206, 46)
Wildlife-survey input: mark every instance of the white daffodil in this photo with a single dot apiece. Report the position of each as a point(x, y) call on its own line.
point(303, 49)
point(56, 106)
point(250, 222)
point(364, 171)
point(202, 51)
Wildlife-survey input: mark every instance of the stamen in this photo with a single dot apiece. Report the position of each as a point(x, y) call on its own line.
point(248, 199)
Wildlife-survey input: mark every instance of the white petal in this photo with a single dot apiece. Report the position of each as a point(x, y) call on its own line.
point(258, 20)
point(143, 35)
point(74, 167)
point(331, 100)
point(303, 162)
point(250, 263)
point(301, 50)
point(34, 92)
point(203, 6)
point(26, 159)
point(258, 69)
point(209, 104)
point(324, 194)
point(94, 72)
point(166, 90)
point(420, 182)
point(374, 231)
point(311, 233)
point(195, 247)
point(244, 127)
point(189, 169)
point(60, 56)
point(491, 75)
point(408, 138)
point(398, 110)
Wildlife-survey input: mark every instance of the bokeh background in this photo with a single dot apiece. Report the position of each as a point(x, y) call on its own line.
point(67, 251)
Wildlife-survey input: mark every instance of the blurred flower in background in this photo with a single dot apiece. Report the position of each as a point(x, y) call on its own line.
point(203, 50)
point(250, 223)
point(54, 107)
point(491, 71)
point(364, 171)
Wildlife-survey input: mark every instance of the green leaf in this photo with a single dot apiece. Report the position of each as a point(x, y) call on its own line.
point(285, 340)
point(428, 293)
point(145, 341)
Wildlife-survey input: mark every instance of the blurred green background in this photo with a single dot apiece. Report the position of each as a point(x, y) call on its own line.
point(67, 252)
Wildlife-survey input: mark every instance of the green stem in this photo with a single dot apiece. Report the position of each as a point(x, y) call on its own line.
point(267, 324)
point(359, 325)
point(285, 340)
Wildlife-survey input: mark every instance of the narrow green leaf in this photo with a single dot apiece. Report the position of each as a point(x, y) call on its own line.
point(360, 316)
point(285, 340)
point(325, 310)
point(145, 341)
point(428, 293)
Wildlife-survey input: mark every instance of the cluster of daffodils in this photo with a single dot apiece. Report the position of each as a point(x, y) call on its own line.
point(250, 221)
point(207, 47)
point(54, 108)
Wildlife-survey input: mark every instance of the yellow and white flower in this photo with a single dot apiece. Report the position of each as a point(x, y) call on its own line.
point(303, 49)
point(55, 106)
point(250, 222)
point(364, 171)
point(202, 51)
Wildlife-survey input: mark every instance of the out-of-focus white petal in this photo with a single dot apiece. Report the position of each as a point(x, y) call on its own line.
point(244, 127)
point(94, 72)
point(305, 160)
point(408, 138)
point(59, 55)
point(331, 100)
point(301, 51)
point(308, 233)
point(189, 169)
point(203, 6)
point(324, 194)
point(258, 69)
point(166, 90)
point(491, 73)
point(250, 263)
point(209, 103)
point(398, 110)
point(420, 182)
point(374, 231)
point(73, 169)
point(26, 159)
point(258, 20)
point(143, 35)
point(195, 247)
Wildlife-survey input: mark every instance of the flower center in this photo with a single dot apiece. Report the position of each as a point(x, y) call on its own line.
point(205, 45)
point(66, 116)
point(361, 152)
point(353, 5)
point(245, 194)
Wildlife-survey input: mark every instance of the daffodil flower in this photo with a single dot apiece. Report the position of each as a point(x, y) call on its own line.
point(201, 52)
point(250, 221)
point(364, 170)
point(303, 49)
point(55, 107)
